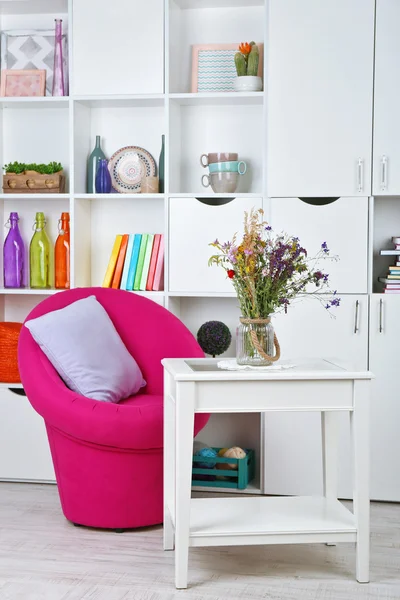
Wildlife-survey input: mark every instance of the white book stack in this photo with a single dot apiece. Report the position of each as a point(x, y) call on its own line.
point(392, 280)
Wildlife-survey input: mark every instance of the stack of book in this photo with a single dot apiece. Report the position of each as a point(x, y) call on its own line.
point(392, 280)
point(136, 262)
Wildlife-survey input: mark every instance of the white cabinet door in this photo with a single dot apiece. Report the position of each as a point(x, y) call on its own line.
point(293, 459)
point(193, 226)
point(385, 406)
point(386, 162)
point(24, 449)
point(343, 224)
point(118, 46)
point(320, 83)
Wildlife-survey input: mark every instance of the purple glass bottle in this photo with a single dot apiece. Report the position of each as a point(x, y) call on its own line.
point(13, 255)
point(58, 88)
point(103, 178)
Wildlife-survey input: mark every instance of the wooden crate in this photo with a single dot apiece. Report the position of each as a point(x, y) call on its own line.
point(31, 182)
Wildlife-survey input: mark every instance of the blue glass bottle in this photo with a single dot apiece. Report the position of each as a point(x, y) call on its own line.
point(13, 255)
point(103, 178)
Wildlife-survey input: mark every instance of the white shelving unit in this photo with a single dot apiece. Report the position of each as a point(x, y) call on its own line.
point(130, 82)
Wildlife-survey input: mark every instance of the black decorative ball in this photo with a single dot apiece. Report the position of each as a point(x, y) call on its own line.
point(214, 337)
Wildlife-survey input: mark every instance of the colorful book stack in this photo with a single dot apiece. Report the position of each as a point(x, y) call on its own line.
point(392, 280)
point(136, 263)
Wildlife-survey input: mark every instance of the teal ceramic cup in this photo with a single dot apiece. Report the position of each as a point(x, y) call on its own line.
point(232, 166)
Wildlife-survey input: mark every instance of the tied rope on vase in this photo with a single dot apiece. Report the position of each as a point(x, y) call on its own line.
point(269, 271)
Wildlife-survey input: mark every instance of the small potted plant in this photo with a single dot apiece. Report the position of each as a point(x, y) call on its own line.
point(214, 338)
point(33, 178)
point(246, 62)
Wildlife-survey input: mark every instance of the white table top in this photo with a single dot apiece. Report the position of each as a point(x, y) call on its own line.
point(206, 369)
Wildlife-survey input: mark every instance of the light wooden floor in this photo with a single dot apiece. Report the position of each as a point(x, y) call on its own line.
point(43, 557)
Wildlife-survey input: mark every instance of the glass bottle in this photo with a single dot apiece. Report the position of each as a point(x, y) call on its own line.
point(246, 351)
point(13, 255)
point(161, 167)
point(58, 71)
point(92, 166)
point(61, 254)
point(103, 178)
point(39, 254)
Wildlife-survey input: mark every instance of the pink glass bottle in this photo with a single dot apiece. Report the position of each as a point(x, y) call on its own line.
point(13, 255)
point(58, 71)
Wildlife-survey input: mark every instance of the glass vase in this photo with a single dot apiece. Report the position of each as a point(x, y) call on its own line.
point(92, 166)
point(255, 342)
point(13, 255)
point(103, 178)
point(61, 254)
point(39, 254)
point(58, 88)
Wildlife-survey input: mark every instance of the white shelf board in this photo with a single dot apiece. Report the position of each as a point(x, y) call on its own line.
point(231, 519)
point(218, 98)
point(34, 197)
point(149, 293)
point(119, 196)
point(189, 4)
point(128, 101)
point(18, 386)
point(390, 252)
point(202, 295)
point(21, 7)
point(28, 292)
point(44, 102)
point(214, 196)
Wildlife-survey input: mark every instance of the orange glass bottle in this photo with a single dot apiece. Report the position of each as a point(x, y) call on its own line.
point(61, 254)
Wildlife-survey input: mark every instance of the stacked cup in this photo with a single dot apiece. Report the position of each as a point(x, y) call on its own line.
point(224, 168)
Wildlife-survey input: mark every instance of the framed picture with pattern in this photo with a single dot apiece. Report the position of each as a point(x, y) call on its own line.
point(213, 67)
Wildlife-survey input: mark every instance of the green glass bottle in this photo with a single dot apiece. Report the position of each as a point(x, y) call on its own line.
point(93, 163)
point(39, 254)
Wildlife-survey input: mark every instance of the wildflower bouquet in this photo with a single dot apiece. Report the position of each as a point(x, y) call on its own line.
point(269, 271)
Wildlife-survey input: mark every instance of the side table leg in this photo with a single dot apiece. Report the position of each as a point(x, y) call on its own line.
point(360, 435)
point(329, 428)
point(185, 402)
point(169, 469)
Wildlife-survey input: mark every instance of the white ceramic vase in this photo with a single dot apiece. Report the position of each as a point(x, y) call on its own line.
point(248, 83)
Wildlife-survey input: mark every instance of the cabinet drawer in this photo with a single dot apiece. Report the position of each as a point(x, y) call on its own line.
point(24, 449)
point(343, 224)
point(193, 226)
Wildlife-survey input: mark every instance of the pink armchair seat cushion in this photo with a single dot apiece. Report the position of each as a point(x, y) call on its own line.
point(108, 457)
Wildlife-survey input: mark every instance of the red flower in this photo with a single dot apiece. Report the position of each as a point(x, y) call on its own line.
point(245, 48)
point(231, 273)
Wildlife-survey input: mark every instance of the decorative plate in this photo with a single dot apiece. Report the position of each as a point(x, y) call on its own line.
point(127, 168)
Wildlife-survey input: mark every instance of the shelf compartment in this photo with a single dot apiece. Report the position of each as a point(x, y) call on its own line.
point(274, 520)
point(218, 98)
point(209, 22)
point(118, 127)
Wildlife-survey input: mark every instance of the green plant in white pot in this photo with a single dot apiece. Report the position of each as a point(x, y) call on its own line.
point(247, 61)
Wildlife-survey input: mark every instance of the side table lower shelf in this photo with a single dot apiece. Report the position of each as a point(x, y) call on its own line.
point(269, 520)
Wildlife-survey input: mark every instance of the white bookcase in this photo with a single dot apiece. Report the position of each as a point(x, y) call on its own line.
point(302, 137)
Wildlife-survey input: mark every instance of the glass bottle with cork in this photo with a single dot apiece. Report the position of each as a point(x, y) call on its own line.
point(62, 254)
point(39, 254)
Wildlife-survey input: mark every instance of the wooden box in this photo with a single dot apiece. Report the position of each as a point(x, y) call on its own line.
point(34, 183)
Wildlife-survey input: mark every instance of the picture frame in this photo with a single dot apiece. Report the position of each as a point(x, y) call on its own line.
point(23, 83)
point(213, 67)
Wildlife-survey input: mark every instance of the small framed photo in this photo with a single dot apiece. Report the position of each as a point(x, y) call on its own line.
point(213, 67)
point(19, 84)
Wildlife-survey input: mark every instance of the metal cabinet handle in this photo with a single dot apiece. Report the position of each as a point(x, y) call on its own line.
point(360, 174)
point(356, 323)
point(380, 315)
point(384, 172)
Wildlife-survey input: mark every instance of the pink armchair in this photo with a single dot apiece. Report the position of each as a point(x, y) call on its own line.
point(108, 457)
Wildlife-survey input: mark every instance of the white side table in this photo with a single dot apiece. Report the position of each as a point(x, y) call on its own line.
point(197, 385)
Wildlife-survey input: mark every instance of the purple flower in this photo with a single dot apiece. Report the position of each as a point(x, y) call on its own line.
point(324, 247)
point(326, 277)
point(327, 306)
point(335, 302)
point(268, 228)
point(248, 252)
point(318, 275)
point(216, 241)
